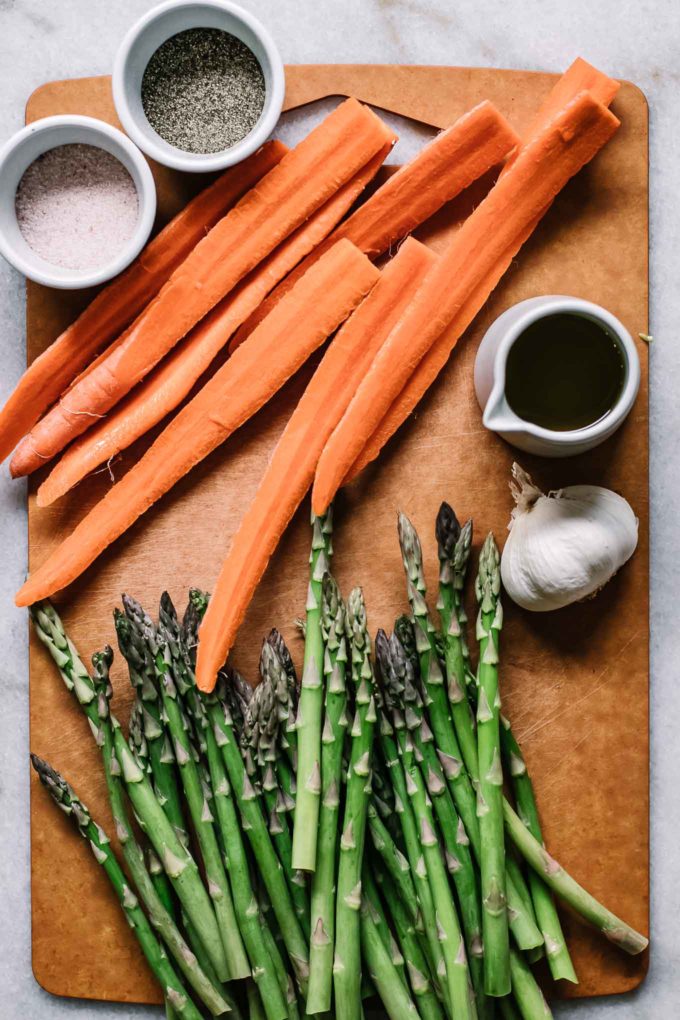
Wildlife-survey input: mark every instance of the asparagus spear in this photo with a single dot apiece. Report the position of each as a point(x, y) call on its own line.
point(525, 990)
point(393, 862)
point(404, 694)
point(65, 798)
point(310, 711)
point(371, 898)
point(507, 1008)
point(347, 958)
point(411, 841)
point(288, 697)
point(395, 997)
point(259, 738)
point(557, 953)
point(453, 546)
point(220, 705)
point(566, 888)
point(142, 673)
point(433, 681)
point(490, 790)
point(274, 669)
point(199, 808)
point(453, 543)
point(332, 741)
point(248, 914)
point(448, 928)
point(416, 963)
point(95, 705)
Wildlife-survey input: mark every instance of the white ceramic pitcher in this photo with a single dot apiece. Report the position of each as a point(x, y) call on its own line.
point(490, 367)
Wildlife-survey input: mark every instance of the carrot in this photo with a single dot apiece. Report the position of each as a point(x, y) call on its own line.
point(579, 77)
point(118, 303)
point(305, 178)
point(492, 233)
point(322, 299)
point(453, 160)
point(291, 469)
point(172, 380)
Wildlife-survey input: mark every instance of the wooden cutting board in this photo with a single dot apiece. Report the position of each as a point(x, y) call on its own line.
point(574, 682)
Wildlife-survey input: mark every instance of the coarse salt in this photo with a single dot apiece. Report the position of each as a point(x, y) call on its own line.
point(77, 206)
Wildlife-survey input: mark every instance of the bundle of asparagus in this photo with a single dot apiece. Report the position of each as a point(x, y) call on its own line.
point(302, 848)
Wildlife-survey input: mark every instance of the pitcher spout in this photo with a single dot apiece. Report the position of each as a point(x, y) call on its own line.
point(499, 416)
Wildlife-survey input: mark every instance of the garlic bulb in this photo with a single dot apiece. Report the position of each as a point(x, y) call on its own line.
point(566, 545)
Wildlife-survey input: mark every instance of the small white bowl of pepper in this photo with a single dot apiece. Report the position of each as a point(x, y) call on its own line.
point(198, 86)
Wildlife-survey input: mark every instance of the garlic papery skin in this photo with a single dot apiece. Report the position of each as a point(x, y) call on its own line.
point(566, 545)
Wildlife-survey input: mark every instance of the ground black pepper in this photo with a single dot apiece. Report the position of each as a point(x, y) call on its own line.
point(203, 90)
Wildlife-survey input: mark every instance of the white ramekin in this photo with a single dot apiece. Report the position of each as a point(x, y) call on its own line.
point(25, 147)
point(142, 41)
point(489, 378)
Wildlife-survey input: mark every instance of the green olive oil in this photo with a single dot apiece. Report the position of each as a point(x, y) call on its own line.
point(564, 372)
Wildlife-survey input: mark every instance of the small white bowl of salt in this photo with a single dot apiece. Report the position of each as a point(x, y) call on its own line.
point(77, 201)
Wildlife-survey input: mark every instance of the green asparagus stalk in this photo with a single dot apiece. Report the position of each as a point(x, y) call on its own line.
point(142, 673)
point(409, 830)
point(95, 705)
point(393, 862)
point(490, 790)
point(453, 545)
point(177, 861)
point(259, 738)
point(567, 889)
point(275, 663)
point(557, 953)
point(453, 945)
point(197, 968)
point(525, 990)
point(248, 914)
point(347, 957)
point(447, 925)
point(332, 741)
point(395, 997)
point(507, 1008)
point(433, 681)
point(371, 897)
point(65, 798)
point(310, 711)
point(255, 1002)
point(288, 694)
point(416, 963)
point(514, 876)
point(219, 706)
point(405, 695)
point(199, 808)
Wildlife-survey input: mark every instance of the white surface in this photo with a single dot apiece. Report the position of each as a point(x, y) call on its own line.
point(635, 39)
point(156, 27)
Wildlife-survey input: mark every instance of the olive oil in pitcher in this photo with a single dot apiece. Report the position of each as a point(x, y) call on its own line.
point(564, 372)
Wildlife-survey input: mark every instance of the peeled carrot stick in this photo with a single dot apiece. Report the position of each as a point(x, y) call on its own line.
point(302, 182)
point(579, 77)
point(323, 299)
point(446, 166)
point(121, 301)
point(492, 233)
point(291, 469)
point(173, 379)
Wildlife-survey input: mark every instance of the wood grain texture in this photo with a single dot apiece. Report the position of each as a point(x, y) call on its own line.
point(574, 682)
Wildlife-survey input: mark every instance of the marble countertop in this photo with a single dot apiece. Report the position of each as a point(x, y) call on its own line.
point(634, 39)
